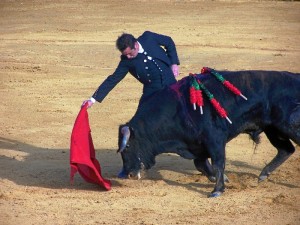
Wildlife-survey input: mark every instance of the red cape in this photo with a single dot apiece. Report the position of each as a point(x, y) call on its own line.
point(82, 152)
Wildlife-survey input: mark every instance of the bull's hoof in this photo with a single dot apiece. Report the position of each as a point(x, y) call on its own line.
point(215, 194)
point(263, 175)
point(213, 179)
point(261, 178)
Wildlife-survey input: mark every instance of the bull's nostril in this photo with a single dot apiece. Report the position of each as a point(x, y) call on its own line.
point(134, 176)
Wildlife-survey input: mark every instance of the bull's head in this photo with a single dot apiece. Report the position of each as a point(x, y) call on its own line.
point(133, 151)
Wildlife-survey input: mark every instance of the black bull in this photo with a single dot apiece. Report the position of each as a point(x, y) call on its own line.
point(167, 123)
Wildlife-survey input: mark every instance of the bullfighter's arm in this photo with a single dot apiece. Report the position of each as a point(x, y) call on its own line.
point(169, 45)
point(111, 81)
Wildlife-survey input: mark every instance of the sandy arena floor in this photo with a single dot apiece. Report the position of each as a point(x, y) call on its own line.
point(54, 55)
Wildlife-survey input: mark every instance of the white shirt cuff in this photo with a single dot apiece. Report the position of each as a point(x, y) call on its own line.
point(93, 100)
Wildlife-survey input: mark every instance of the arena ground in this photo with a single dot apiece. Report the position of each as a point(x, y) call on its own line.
point(54, 54)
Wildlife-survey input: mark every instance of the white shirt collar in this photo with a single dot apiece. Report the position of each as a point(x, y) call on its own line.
point(141, 50)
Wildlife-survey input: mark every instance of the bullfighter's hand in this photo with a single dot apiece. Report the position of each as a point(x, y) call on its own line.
point(89, 102)
point(175, 69)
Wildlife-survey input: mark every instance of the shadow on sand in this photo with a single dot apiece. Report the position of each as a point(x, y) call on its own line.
point(29, 165)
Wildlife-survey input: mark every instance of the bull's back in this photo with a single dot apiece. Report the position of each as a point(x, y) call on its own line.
point(263, 80)
point(265, 86)
point(273, 96)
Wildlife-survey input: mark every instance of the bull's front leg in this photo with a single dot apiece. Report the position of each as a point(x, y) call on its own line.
point(218, 164)
point(203, 165)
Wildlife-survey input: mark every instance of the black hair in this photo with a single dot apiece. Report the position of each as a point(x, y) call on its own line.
point(124, 41)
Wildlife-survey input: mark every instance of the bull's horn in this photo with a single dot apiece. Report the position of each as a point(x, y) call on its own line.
point(126, 134)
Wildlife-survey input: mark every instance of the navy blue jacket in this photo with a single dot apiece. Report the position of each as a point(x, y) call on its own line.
point(154, 75)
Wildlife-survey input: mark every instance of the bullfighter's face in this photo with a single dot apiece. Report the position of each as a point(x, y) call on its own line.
point(131, 53)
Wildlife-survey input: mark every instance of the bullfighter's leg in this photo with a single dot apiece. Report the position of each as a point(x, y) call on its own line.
point(285, 150)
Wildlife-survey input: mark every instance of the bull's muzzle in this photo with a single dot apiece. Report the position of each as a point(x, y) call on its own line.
point(138, 174)
point(134, 176)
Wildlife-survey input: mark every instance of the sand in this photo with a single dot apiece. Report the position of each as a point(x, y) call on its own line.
point(54, 54)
